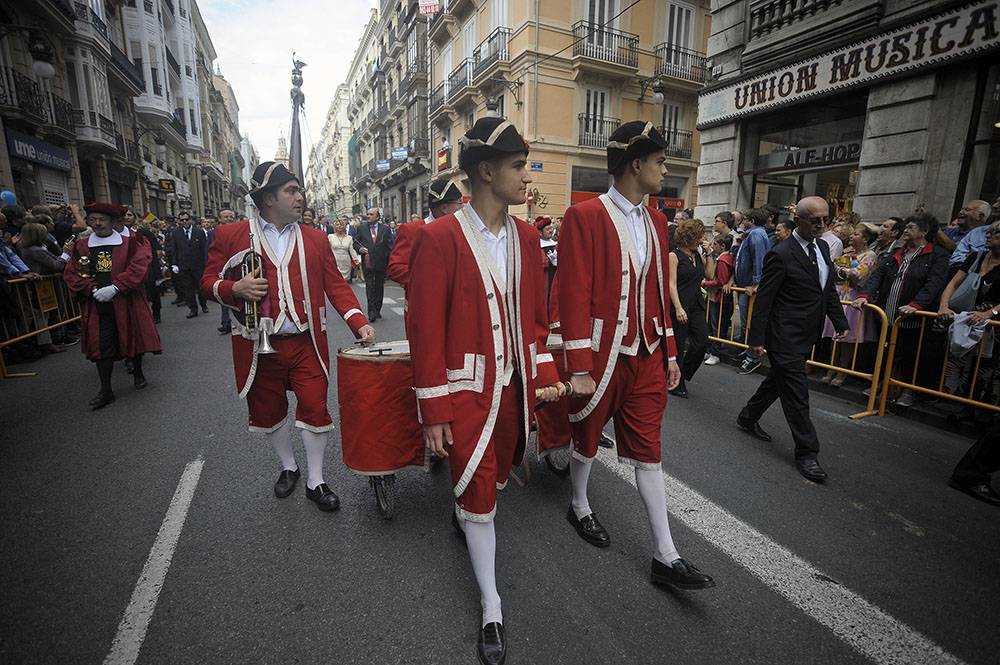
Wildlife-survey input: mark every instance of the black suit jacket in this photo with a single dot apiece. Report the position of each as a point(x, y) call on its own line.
point(188, 255)
point(791, 307)
point(379, 250)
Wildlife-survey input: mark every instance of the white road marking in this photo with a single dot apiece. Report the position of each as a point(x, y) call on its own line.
point(132, 629)
point(866, 628)
point(398, 310)
point(388, 301)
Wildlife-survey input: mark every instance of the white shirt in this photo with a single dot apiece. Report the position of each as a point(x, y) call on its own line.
point(278, 241)
point(496, 245)
point(94, 240)
point(824, 269)
point(835, 243)
point(636, 224)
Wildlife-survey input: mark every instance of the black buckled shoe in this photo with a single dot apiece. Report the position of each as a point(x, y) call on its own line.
point(139, 380)
point(101, 400)
point(589, 528)
point(810, 469)
point(286, 483)
point(323, 497)
point(753, 429)
point(492, 644)
point(982, 491)
point(680, 574)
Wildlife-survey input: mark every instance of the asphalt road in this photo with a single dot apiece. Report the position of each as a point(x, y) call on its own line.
point(883, 564)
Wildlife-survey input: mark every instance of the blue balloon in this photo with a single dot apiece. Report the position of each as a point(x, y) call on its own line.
point(9, 198)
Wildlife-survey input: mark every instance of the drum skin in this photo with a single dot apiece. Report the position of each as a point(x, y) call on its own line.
point(380, 433)
point(553, 418)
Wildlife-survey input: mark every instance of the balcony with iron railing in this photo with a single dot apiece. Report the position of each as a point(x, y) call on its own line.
point(596, 43)
point(128, 69)
point(787, 27)
point(94, 127)
point(127, 150)
point(420, 146)
point(90, 24)
point(460, 82)
point(491, 51)
point(170, 6)
point(438, 98)
point(415, 74)
point(595, 130)
point(28, 97)
point(681, 63)
point(443, 26)
point(679, 142)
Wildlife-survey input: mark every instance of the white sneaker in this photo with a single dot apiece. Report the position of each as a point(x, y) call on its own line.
point(905, 398)
point(711, 360)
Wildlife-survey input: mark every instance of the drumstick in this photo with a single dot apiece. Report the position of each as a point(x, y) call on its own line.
point(538, 392)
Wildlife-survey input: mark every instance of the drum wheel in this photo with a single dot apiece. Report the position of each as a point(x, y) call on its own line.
point(558, 461)
point(385, 494)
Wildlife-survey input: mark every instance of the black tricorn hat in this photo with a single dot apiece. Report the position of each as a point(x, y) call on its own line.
point(270, 175)
point(489, 138)
point(444, 191)
point(633, 140)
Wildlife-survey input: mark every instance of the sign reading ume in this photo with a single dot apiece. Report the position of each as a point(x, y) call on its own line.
point(966, 30)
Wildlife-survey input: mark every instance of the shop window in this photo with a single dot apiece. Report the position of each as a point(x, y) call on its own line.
point(587, 179)
point(983, 168)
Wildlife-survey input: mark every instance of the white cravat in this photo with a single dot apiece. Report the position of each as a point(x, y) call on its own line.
point(496, 245)
point(636, 225)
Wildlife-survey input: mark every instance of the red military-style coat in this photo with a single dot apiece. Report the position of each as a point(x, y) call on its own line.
point(458, 329)
point(136, 331)
point(399, 260)
point(604, 302)
point(311, 276)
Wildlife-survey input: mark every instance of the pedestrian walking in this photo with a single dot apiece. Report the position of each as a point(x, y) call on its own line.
point(107, 271)
point(797, 291)
point(187, 251)
point(296, 275)
point(687, 272)
point(619, 341)
point(373, 242)
point(342, 246)
point(973, 472)
point(479, 321)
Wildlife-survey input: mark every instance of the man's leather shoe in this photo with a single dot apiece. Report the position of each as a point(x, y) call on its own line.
point(286, 483)
point(982, 491)
point(323, 497)
point(589, 528)
point(204, 309)
point(139, 380)
point(193, 313)
point(680, 574)
point(102, 399)
point(224, 330)
point(810, 469)
point(679, 392)
point(753, 429)
point(492, 645)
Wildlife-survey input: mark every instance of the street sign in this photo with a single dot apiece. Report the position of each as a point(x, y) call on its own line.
point(400, 153)
point(167, 185)
point(536, 166)
point(382, 165)
point(46, 295)
point(428, 7)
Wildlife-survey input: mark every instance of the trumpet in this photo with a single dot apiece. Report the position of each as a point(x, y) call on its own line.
point(253, 265)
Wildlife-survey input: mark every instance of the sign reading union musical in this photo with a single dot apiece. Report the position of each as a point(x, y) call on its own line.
point(963, 31)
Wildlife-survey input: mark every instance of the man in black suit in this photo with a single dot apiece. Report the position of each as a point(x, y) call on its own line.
point(795, 296)
point(187, 251)
point(374, 241)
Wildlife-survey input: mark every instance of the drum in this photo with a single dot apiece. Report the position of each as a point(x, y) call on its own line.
point(554, 433)
point(380, 433)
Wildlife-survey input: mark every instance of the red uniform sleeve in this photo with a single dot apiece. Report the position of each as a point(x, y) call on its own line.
point(71, 274)
point(428, 302)
point(214, 287)
point(547, 372)
point(339, 292)
point(576, 261)
point(139, 255)
point(399, 261)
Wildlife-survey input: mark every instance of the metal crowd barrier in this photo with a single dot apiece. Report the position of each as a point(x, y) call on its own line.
point(871, 377)
point(910, 382)
point(39, 306)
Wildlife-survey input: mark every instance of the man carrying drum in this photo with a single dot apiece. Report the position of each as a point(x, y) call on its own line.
point(477, 338)
point(296, 271)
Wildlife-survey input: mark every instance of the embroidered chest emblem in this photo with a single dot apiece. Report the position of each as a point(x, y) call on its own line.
point(104, 262)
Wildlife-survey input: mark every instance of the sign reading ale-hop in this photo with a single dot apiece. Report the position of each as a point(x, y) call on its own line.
point(794, 159)
point(967, 30)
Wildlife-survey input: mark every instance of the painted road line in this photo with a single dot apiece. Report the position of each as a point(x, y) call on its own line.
point(398, 310)
point(869, 630)
point(388, 301)
point(132, 629)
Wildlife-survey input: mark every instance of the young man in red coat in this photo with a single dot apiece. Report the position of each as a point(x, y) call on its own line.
point(446, 198)
point(298, 272)
point(108, 270)
point(477, 338)
point(614, 303)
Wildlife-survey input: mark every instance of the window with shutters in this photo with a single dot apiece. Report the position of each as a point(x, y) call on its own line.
point(677, 57)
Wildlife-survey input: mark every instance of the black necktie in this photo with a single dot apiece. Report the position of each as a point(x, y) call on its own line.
point(812, 257)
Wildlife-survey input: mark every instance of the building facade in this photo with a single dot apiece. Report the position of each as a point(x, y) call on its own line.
point(362, 108)
point(567, 72)
point(880, 106)
point(328, 182)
